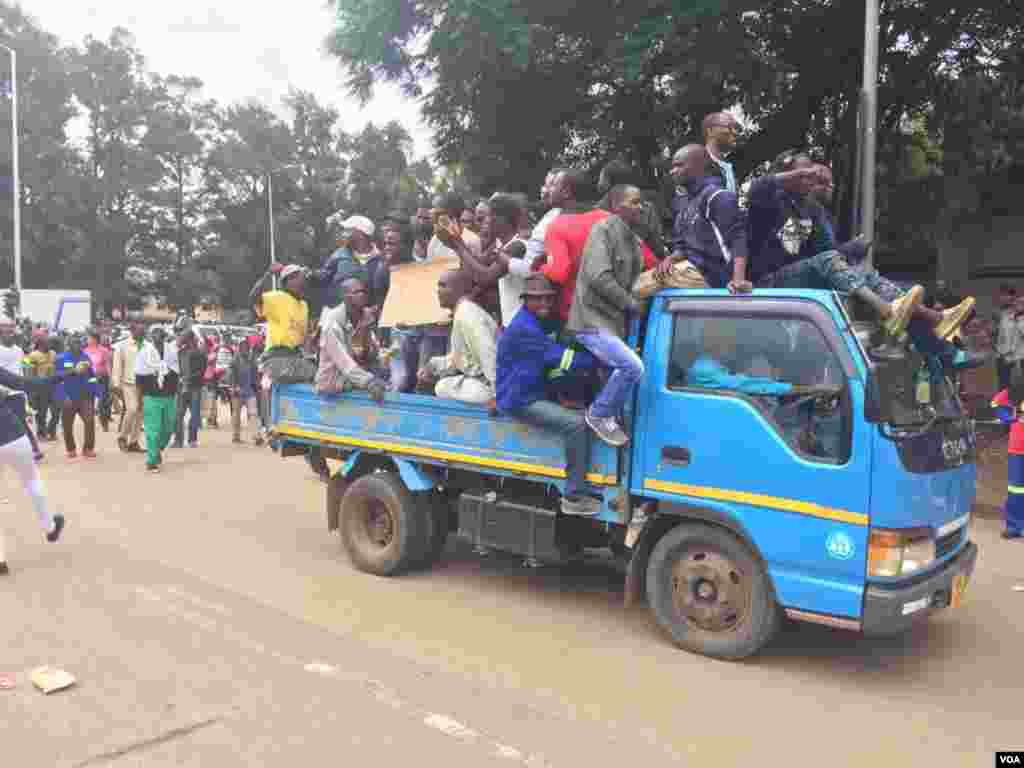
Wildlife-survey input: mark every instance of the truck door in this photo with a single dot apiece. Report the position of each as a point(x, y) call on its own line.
point(793, 477)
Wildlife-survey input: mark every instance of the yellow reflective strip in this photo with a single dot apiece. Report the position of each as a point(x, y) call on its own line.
point(1015, 489)
point(567, 357)
point(434, 453)
point(759, 500)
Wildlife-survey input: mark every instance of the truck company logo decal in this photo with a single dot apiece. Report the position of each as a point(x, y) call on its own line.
point(840, 546)
point(759, 500)
point(435, 453)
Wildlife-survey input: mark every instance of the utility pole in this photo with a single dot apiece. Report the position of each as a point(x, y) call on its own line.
point(869, 126)
point(16, 192)
point(270, 222)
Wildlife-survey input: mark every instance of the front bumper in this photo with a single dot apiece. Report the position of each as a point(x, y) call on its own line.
point(891, 610)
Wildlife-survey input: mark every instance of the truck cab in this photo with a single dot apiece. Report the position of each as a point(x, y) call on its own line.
point(734, 504)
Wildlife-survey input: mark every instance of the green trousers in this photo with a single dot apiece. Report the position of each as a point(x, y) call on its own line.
point(158, 420)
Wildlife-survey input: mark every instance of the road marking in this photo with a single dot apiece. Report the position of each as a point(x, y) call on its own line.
point(327, 670)
point(179, 604)
point(450, 727)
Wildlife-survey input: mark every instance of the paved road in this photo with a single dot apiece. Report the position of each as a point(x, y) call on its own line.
point(212, 621)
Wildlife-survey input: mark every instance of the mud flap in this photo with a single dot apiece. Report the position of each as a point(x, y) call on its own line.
point(636, 573)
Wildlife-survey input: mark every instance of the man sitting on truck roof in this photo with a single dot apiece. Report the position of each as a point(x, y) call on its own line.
point(613, 258)
point(349, 351)
point(792, 245)
point(468, 371)
point(527, 360)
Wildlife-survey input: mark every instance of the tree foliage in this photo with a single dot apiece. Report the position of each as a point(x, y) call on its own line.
point(514, 86)
point(166, 193)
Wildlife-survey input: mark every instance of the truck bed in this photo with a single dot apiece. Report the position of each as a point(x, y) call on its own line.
point(432, 431)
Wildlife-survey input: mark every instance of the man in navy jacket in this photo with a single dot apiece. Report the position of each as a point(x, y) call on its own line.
point(528, 360)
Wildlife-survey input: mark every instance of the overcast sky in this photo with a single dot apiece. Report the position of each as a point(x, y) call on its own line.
point(242, 50)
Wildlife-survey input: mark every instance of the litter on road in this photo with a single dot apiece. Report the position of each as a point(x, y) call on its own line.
point(51, 679)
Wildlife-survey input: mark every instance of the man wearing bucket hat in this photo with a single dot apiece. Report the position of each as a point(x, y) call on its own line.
point(357, 256)
point(528, 361)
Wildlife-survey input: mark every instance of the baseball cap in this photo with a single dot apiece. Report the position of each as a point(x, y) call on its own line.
point(360, 224)
point(290, 270)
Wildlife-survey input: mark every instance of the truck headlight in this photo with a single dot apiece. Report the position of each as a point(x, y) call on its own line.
point(899, 553)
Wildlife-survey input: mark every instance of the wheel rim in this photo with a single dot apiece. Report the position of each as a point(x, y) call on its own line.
point(709, 591)
point(378, 525)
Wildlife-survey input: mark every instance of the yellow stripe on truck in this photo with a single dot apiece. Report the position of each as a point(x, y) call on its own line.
point(759, 500)
point(435, 453)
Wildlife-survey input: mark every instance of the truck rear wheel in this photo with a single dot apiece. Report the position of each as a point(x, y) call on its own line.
point(383, 527)
point(710, 594)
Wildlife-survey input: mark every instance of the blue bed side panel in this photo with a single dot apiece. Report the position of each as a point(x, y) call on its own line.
point(438, 431)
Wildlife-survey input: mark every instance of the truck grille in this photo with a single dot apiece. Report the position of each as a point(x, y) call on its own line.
point(947, 544)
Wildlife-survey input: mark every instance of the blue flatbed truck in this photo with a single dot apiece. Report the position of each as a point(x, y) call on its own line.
point(731, 510)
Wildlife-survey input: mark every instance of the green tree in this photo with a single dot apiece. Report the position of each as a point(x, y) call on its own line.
point(118, 173)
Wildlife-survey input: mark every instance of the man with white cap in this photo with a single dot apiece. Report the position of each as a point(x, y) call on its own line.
point(357, 256)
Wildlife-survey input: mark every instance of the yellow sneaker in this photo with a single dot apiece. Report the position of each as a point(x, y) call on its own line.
point(902, 310)
point(953, 318)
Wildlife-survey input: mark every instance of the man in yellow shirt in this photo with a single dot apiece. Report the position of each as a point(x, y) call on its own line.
point(287, 316)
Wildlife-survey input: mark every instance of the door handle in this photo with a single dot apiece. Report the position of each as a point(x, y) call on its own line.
point(675, 454)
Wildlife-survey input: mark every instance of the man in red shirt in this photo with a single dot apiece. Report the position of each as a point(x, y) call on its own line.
point(566, 236)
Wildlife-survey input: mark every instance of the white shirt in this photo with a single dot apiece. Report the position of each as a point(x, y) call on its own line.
point(512, 285)
point(535, 245)
point(10, 359)
point(438, 250)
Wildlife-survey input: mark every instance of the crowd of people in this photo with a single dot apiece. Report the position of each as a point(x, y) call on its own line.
point(541, 318)
point(539, 307)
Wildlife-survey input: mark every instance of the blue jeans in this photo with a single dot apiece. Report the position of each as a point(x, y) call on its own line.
point(190, 400)
point(827, 270)
point(921, 334)
point(572, 428)
point(627, 370)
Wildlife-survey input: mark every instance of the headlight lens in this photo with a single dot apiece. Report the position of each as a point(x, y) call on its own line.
point(899, 553)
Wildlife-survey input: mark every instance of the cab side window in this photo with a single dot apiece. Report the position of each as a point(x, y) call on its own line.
point(761, 359)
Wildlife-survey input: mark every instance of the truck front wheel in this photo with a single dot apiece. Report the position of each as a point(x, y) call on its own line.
point(382, 526)
point(710, 593)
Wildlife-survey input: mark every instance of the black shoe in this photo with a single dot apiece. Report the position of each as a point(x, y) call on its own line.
point(58, 526)
point(153, 468)
point(4, 570)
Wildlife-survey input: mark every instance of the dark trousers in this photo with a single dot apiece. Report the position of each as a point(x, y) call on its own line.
point(42, 405)
point(1003, 370)
point(84, 408)
point(105, 402)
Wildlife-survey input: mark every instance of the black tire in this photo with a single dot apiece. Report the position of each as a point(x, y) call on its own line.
point(710, 594)
point(383, 526)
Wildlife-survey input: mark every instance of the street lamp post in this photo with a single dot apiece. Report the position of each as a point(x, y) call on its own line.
point(16, 192)
point(270, 222)
point(869, 125)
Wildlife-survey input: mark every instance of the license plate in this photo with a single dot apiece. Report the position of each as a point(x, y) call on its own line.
point(959, 588)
